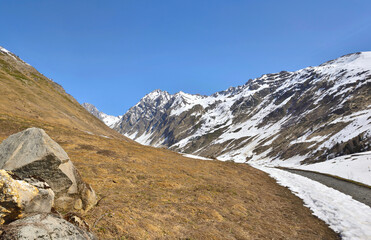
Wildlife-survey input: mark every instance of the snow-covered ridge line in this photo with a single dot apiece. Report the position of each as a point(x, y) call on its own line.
point(12, 55)
point(311, 115)
point(109, 120)
point(4, 50)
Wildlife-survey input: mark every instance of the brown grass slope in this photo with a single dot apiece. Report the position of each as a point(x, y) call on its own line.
point(148, 193)
point(28, 94)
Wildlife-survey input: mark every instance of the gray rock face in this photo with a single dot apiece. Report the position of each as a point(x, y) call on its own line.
point(44, 201)
point(93, 110)
point(151, 121)
point(19, 198)
point(28, 146)
point(33, 153)
point(44, 226)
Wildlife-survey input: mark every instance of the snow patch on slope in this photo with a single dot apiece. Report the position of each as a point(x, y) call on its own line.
point(196, 157)
point(12, 55)
point(358, 122)
point(4, 50)
point(343, 214)
point(109, 120)
point(355, 167)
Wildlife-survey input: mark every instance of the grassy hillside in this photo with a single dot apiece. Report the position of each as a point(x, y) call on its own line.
point(148, 193)
point(27, 94)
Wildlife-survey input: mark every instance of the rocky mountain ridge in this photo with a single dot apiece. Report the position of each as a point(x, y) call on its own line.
point(109, 120)
point(307, 115)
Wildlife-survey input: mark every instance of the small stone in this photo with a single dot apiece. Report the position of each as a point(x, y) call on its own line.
point(65, 202)
point(77, 220)
point(88, 196)
point(78, 204)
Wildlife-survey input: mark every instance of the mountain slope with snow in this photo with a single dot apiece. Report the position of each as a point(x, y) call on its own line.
point(304, 116)
point(109, 120)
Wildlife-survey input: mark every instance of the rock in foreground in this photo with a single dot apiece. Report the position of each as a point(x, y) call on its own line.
point(44, 226)
point(18, 198)
point(33, 153)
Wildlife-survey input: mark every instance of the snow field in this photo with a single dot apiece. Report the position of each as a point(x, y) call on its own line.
point(346, 216)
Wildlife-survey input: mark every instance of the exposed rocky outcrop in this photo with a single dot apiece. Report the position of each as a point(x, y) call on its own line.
point(44, 226)
point(19, 198)
point(33, 153)
point(40, 172)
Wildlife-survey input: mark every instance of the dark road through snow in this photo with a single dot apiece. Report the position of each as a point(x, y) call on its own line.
point(357, 192)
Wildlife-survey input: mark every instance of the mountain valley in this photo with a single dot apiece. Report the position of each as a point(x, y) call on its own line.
point(145, 192)
point(314, 122)
point(306, 116)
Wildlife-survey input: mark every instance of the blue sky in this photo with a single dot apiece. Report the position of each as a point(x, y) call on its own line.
point(111, 53)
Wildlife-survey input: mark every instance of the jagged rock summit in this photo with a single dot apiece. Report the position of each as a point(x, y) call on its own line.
point(32, 153)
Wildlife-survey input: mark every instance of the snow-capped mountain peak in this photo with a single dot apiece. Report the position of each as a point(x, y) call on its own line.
point(156, 94)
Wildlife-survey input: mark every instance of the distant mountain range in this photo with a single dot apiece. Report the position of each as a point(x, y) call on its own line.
point(309, 115)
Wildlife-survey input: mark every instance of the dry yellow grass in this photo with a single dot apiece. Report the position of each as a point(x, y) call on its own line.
point(148, 193)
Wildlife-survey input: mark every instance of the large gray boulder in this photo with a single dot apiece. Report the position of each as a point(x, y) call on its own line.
point(44, 226)
point(32, 153)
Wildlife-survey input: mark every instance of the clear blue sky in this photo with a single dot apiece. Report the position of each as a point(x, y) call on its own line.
point(111, 53)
